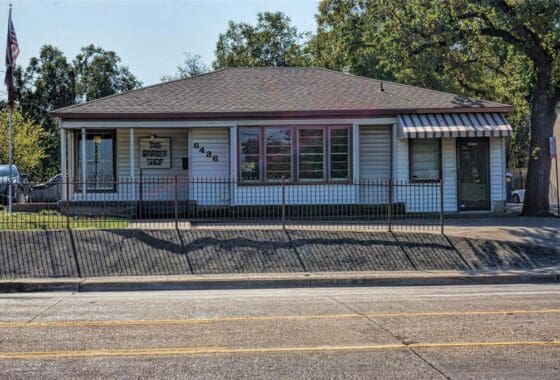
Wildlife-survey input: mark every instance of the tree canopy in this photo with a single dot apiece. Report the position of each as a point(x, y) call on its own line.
point(51, 81)
point(27, 143)
point(192, 66)
point(99, 73)
point(273, 41)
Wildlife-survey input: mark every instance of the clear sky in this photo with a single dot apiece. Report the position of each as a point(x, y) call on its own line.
point(149, 36)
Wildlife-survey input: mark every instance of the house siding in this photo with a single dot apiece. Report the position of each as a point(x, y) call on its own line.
point(449, 173)
point(210, 177)
point(375, 163)
point(497, 170)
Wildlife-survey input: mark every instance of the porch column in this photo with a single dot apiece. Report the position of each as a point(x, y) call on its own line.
point(233, 163)
point(394, 140)
point(63, 159)
point(84, 162)
point(132, 165)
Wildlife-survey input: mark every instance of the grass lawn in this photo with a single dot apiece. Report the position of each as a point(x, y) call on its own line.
point(55, 221)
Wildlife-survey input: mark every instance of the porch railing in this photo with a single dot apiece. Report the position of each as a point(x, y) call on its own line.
point(174, 202)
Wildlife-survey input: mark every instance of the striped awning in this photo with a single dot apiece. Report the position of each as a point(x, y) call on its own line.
point(427, 125)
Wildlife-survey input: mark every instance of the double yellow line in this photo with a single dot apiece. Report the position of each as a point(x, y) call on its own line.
point(118, 323)
point(186, 351)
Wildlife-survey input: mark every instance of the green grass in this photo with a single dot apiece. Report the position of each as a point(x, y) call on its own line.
point(52, 220)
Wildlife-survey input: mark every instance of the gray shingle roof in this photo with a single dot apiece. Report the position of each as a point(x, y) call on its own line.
point(261, 91)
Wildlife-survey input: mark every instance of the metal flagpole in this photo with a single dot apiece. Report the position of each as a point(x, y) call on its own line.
point(12, 52)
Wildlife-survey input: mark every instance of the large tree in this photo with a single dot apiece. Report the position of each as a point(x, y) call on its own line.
point(273, 41)
point(496, 49)
point(99, 73)
point(51, 81)
point(192, 66)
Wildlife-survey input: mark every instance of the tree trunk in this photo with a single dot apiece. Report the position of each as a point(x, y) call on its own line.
point(543, 116)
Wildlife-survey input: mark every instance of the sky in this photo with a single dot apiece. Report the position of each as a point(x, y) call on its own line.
point(149, 36)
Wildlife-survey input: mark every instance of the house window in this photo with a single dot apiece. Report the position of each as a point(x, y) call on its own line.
point(425, 159)
point(249, 140)
point(99, 160)
point(278, 158)
point(339, 154)
point(298, 154)
point(311, 154)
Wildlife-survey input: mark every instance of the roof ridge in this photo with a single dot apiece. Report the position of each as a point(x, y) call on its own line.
point(72, 106)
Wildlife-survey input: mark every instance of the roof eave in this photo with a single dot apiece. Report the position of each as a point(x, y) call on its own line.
point(267, 114)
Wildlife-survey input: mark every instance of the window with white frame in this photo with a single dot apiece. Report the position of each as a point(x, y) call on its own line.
point(425, 159)
point(278, 142)
point(306, 154)
point(99, 160)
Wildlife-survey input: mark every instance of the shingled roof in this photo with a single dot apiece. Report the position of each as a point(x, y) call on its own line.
point(273, 92)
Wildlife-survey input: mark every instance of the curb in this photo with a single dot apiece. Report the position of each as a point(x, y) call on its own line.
point(275, 281)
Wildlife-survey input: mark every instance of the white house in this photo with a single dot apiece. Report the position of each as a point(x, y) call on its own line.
point(318, 129)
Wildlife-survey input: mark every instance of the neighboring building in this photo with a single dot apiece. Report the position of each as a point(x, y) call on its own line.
point(313, 126)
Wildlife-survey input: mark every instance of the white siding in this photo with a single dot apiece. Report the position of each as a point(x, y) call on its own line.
point(449, 172)
point(296, 194)
point(375, 163)
point(497, 170)
point(214, 189)
point(178, 151)
point(162, 186)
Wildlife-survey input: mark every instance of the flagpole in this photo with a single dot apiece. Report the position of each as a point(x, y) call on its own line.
point(12, 51)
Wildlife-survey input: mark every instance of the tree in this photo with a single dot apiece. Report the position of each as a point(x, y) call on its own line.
point(27, 139)
point(46, 84)
point(500, 50)
point(191, 67)
point(51, 81)
point(99, 73)
point(273, 41)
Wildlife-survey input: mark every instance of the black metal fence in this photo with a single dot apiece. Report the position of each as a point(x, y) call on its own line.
point(175, 202)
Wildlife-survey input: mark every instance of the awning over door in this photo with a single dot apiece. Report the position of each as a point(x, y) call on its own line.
point(428, 125)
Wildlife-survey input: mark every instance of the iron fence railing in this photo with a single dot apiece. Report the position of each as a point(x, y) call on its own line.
point(172, 202)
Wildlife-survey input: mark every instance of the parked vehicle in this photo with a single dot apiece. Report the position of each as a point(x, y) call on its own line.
point(518, 196)
point(21, 188)
point(50, 191)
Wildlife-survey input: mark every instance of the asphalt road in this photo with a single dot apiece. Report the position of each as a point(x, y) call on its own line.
point(417, 332)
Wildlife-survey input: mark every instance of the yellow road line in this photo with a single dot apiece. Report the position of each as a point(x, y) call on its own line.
point(117, 323)
point(225, 350)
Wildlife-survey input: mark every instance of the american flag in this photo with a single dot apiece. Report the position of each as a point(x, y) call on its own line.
point(12, 52)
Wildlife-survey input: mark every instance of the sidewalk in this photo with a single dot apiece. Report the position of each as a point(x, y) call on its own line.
point(483, 250)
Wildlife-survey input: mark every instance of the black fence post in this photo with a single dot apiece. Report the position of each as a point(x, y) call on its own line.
point(283, 202)
point(176, 204)
point(441, 217)
point(389, 204)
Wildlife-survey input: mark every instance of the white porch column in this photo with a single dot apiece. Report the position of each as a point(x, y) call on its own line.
point(132, 165)
point(394, 155)
point(356, 161)
point(63, 160)
point(233, 162)
point(84, 162)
